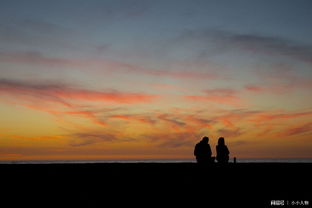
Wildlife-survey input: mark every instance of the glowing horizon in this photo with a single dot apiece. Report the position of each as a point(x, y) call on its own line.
point(147, 80)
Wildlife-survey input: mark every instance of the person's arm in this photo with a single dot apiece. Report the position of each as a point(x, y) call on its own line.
point(196, 150)
point(209, 151)
point(227, 150)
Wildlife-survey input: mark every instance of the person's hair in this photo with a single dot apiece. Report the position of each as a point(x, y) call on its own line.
point(205, 139)
point(221, 141)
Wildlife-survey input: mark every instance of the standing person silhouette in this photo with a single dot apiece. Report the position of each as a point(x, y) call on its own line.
point(202, 151)
point(222, 151)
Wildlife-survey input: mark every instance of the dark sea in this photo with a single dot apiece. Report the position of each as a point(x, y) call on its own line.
point(238, 160)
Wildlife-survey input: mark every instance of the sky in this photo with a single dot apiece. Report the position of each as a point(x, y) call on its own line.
point(134, 79)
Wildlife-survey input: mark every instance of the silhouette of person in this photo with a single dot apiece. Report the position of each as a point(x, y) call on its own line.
point(222, 151)
point(202, 151)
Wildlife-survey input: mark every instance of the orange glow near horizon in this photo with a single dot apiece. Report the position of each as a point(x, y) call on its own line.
point(95, 135)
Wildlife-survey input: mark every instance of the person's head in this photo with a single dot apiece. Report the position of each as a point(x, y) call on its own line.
point(205, 139)
point(221, 141)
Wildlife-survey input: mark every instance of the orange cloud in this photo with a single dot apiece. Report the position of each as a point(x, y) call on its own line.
point(171, 119)
point(82, 139)
point(10, 155)
point(88, 114)
point(299, 129)
point(267, 116)
point(230, 132)
point(233, 118)
point(88, 138)
point(92, 115)
point(139, 118)
point(172, 140)
point(199, 122)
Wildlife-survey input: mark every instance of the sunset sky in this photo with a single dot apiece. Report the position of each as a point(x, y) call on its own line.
point(124, 79)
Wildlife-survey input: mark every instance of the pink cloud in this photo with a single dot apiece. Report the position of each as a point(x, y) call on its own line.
point(221, 95)
point(101, 65)
point(254, 88)
point(282, 79)
point(221, 92)
point(61, 93)
point(58, 99)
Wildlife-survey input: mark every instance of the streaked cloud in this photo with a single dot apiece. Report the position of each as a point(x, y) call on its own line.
point(199, 122)
point(222, 96)
point(82, 139)
point(139, 118)
point(171, 120)
point(270, 116)
point(63, 93)
point(62, 100)
point(92, 137)
point(32, 57)
point(172, 140)
point(256, 43)
point(87, 114)
point(101, 65)
point(232, 133)
point(113, 79)
point(297, 130)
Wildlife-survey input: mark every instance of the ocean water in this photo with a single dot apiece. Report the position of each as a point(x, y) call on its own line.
point(238, 160)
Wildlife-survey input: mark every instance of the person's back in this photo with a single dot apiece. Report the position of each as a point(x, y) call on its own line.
point(222, 151)
point(202, 151)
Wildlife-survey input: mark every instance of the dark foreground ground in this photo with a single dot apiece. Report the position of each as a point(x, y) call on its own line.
point(155, 184)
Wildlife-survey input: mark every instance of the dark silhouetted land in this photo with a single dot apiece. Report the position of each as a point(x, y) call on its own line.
point(150, 184)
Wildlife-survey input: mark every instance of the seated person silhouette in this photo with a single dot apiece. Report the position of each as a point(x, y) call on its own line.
point(202, 152)
point(222, 151)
